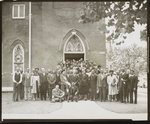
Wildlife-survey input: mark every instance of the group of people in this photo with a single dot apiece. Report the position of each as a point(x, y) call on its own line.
point(75, 80)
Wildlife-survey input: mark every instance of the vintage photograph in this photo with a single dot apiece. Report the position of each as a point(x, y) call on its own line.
point(74, 60)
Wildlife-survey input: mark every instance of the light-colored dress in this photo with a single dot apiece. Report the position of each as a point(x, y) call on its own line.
point(112, 90)
point(33, 83)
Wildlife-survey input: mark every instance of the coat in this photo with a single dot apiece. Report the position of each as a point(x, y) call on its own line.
point(101, 80)
point(51, 78)
point(112, 89)
point(84, 84)
point(27, 80)
point(64, 80)
point(43, 82)
point(93, 81)
point(124, 80)
point(133, 81)
point(34, 79)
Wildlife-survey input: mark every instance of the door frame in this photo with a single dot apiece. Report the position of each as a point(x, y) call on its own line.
point(84, 50)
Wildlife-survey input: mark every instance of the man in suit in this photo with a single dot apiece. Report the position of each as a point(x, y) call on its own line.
point(17, 79)
point(102, 85)
point(84, 85)
point(58, 72)
point(124, 81)
point(38, 88)
point(22, 85)
point(43, 84)
point(51, 78)
point(133, 81)
point(93, 84)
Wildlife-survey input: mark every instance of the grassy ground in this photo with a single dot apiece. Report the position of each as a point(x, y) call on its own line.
point(45, 107)
point(140, 107)
point(27, 107)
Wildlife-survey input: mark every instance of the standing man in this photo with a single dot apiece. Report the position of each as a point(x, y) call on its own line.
point(84, 85)
point(27, 85)
point(58, 77)
point(43, 84)
point(124, 89)
point(17, 79)
point(51, 78)
point(102, 85)
point(133, 81)
point(37, 85)
point(64, 81)
point(93, 84)
point(22, 85)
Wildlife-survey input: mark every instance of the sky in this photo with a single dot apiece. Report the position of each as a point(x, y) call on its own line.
point(132, 38)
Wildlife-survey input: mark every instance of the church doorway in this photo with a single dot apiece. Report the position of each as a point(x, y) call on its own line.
point(74, 48)
point(74, 56)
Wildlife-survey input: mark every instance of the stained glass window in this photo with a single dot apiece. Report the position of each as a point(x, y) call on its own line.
point(18, 57)
point(74, 45)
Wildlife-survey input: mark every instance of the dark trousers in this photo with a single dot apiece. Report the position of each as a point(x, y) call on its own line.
point(135, 96)
point(131, 95)
point(93, 93)
point(63, 87)
point(125, 93)
point(120, 94)
point(16, 92)
point(102, 93)
point(50, 88)
point(37, 90)
point(43, 91)
point(21, 91)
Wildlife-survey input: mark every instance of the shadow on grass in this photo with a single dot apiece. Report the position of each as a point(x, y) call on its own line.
point(118, 107)
point(27, 107)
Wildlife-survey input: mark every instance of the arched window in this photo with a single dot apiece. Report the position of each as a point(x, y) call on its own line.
point(18, 57)
point(74, 47)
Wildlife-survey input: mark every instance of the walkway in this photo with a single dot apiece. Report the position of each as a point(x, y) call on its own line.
point(78, 110)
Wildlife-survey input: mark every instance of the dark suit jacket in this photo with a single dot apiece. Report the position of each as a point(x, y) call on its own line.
point(125, 77)
point(43, 80)
point(133, 80)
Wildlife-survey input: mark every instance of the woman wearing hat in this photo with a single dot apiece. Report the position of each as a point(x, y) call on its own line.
point(35, 79)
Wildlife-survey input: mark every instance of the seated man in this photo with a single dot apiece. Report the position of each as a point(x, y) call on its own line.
point(57, 94)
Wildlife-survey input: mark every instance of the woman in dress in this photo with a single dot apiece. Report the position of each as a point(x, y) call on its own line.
point(35, 79)
point(112, 86)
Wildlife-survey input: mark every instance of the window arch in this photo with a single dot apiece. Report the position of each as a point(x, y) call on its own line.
point(74, 47)
point(18, 57)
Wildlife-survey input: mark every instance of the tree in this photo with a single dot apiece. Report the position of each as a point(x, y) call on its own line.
point(121, 15)
point(133, 57)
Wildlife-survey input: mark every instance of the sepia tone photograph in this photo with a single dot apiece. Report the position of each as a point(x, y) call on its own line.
point(74, 60)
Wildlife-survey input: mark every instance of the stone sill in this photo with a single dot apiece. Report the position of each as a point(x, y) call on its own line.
point(7, 89)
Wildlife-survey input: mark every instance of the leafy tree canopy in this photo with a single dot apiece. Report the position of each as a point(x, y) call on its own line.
point(121, 15)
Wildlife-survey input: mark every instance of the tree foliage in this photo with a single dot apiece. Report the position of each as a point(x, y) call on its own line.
point(122, 15)
point(133, 57)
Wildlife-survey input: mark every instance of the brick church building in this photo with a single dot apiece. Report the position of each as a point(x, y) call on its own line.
point(41, 34)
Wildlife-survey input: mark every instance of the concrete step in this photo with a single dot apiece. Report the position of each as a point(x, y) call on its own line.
point(7, 89)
